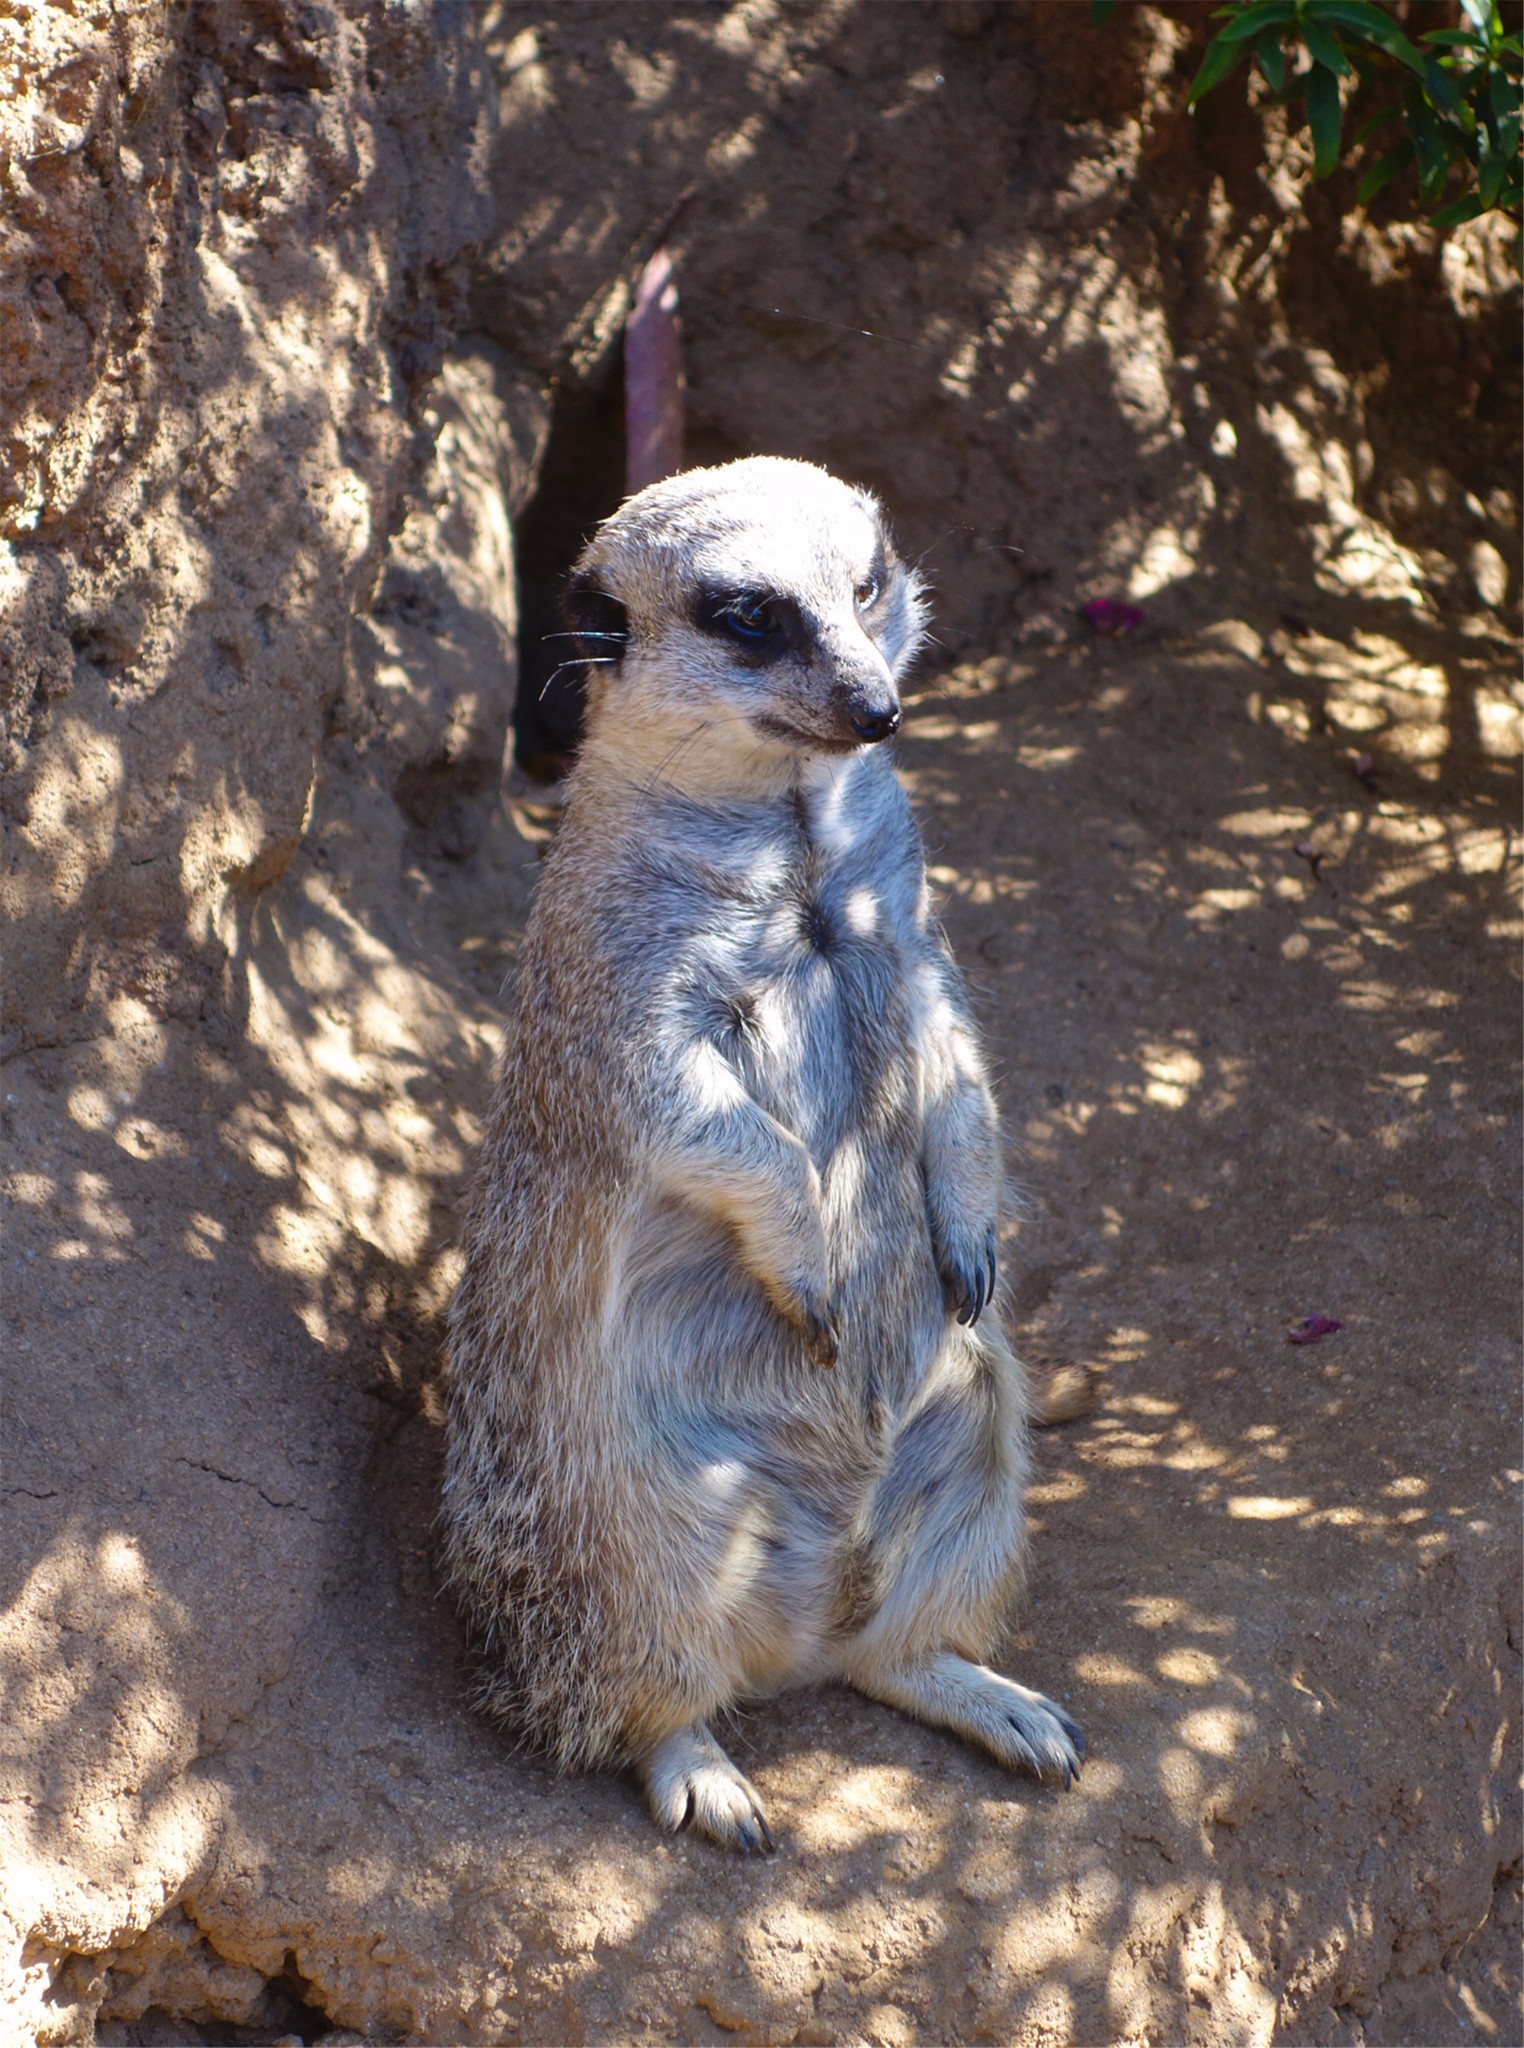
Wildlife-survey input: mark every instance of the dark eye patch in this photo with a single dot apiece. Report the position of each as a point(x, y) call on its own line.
point(755, 623)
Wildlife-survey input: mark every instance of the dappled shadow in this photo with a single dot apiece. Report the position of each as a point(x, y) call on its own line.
point(1244, 988)
point(1065, 357)
point(197, 1349)
point(230, 1250)
point(1254, 1567)
point(188, 579)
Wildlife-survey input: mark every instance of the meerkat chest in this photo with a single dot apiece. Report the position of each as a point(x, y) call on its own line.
point(790, 937)
point(812, 998)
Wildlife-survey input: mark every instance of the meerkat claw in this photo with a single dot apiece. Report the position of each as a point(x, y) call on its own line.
point(960, 1289)
point(968, 1298)
point(821, 1339)
point(695, 1789)
point(971, 1286)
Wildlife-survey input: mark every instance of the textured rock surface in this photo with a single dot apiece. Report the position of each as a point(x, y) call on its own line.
point(1251, 1010)
point(225, 237)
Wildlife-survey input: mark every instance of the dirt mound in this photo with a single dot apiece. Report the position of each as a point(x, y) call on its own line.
point(1235, 892)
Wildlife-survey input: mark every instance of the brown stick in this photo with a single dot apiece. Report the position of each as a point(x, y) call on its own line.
point(653, 378)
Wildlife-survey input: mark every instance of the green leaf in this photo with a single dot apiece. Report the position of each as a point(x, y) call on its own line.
point(1244, 27)
point(1461, 209)
point(1441, 91)
point(1377, 28)
point(1458, 38)
point(1368, 128)
point(1504, 95)
point(1433, 157)
point(1358, 15)
point(1219, 60)
point(1320, 96)
point(1270, 54)
point(1322, 48)
point(1482, 13)
point(1383, 170)
point(1491, 179)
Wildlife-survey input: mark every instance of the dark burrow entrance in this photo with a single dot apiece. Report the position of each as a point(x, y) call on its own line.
point(581, 482)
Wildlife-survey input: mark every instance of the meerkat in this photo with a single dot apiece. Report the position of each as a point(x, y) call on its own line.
point(727, 1409)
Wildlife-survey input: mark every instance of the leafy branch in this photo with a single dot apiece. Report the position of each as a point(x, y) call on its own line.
point(1458, 105)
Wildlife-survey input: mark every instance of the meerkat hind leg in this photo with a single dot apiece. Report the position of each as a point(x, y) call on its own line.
point(1019, 1728)
point(692, 1784)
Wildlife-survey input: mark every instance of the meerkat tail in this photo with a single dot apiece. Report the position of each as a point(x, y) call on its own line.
point(1062, 1395)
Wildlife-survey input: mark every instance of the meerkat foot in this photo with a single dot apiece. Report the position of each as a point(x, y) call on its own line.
point(1020, 1728)
point(693, 1785)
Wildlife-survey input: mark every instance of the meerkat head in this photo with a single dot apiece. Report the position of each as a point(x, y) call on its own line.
point(760, 604)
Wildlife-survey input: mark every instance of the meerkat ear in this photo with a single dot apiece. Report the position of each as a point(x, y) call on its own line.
point(596, 618)
point(907, 611)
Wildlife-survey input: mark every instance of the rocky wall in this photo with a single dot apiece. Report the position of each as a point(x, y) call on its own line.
point(232, 237)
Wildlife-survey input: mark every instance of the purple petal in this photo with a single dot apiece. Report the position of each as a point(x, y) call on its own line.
point(1311, 1328)
point(1105, 615)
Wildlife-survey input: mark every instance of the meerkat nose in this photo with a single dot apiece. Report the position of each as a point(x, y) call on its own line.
point(877, 727)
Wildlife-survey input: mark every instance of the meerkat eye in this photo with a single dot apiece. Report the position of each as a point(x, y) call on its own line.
point(867, 593)
point(749, 618)
point(764, 626)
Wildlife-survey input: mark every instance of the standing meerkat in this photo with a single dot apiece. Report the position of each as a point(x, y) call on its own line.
point(725, 1415)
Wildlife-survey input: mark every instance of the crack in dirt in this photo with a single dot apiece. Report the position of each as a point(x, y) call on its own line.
point(236, 1479)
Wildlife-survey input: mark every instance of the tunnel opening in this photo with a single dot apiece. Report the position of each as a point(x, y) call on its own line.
point(581, 482)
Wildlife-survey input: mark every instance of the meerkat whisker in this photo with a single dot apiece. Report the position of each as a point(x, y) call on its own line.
point(585, 661)
point(655, 782)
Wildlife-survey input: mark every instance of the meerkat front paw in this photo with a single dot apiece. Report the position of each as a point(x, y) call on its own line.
point(1025, 1729)
point(813, 1316)
point(967, 1266)
point(822, 1340)
point(694, 1787)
